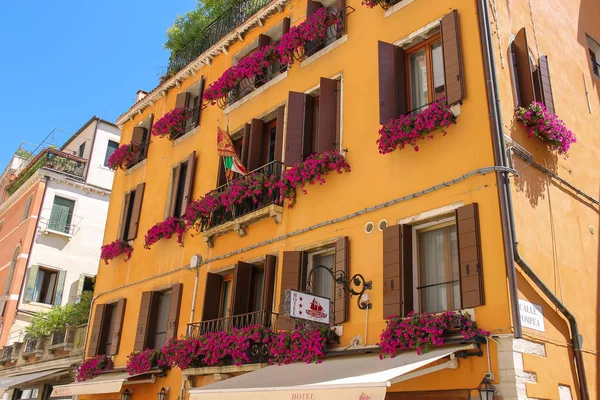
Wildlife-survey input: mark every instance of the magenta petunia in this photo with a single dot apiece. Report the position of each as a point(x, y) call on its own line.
point(115, 249)
point(92, 367)
point(546, 126)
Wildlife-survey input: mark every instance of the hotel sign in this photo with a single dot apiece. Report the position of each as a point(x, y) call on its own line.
point(532, 316)
point(309, 307)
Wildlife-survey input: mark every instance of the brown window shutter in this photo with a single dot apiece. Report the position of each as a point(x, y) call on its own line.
point(269, 283)
point(146, 141)
point(392, 82)
point(201, 95)
point(546, 85)
point(342, 261)
point(397, 271)
point(144, 320)
point(328, 114)
point(285, 25)
point(182, 100)
point(136, 211)
point(453, 68)
point(97, 327)
point(245, 144)
point(524, 69)
point(138, 140)
point(279, 134)
point(469, 255)
point(299, 127)
point(118, 315)
point(212, 297)
point(174, 189)
point(174, 311)
point(255, 144)
point(242, 287)
point(312, 7)
point(263, 40)
point(291, 275)
point(126, 203)
point(189, 181)
point(221, 173)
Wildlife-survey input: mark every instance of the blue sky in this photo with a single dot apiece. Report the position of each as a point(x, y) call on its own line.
point(64, 61)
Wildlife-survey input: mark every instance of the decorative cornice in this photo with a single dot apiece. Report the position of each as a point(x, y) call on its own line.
point(203, 59)
point(28, 184)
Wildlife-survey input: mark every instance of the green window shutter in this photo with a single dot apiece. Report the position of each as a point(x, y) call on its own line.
point(61, 215)
point(60, 286)
point(31, 278)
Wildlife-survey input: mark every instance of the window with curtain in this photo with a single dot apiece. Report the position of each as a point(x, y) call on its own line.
point(45, 286)
point(322, 280)
point(425, 73)
point(61, 215)
point(110, 149)
point(438, 268)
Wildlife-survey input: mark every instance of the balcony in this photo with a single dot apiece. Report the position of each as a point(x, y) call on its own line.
point(62, 340)
point(237, 14)
point(265, 319)
point(8, 354)
point(53, 160)
point(239, 216)
point(190, 123)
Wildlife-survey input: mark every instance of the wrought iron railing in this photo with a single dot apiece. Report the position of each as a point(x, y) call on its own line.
point(239, 12)
point(140, 152)
point(59, 337)
point(191, 122)
point(7, 352)
point(265, 319)
point(54, 160)
point(223, 215)
point(31, 345)
point(595, 67)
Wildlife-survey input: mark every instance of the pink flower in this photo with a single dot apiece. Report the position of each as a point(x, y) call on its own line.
point(166, 229)
point(123, 157)
point(113, 250)
point(92, 367)
point(546, 126)
point(171, 124)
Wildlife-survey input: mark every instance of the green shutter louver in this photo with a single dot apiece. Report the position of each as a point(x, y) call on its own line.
point(60, 286)
point(31, 278)
point(61, 215)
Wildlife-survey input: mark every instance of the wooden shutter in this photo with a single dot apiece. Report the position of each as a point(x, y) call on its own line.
point(174, 311)
point(221, 173)
point(453, 68)
point(182, 100)
point(245, 144)
point(269, 282)
point(118, 315)
point(60, 287)
point(299, 127)
point(212, 297)
point(469, 255)
point(546, 85)
point(146, 140)
point(174, 190)
point(312, 7)
point(255, 145)
point(279, 134)
point(397, 271)
point(144, 320)
point(200, 96)
point(291, 276)
point(126, 203)
point(263, 40)
point(137, 140)
point(524, 69)
point(285, 25)
point(314, 45)
point(189, 182)
point(392, 82)
point(30, 287)
point(328, 114)
point(342, 260)
point(136, 211)
point(242, 288)
point(97, 325)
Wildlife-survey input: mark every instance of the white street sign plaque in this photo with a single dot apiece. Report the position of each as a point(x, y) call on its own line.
point(531, 316)
point(309, 307)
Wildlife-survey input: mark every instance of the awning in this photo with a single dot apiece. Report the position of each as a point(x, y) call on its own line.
point(102, 384)
point(339, 378)
point(17, 380)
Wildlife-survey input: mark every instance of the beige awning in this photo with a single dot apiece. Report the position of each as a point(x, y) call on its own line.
point(102, 384)
point(339, 378)
point(7, 383)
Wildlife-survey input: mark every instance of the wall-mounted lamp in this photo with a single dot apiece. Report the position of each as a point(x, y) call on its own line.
point(126, 395)
point(486, 389)
point(163, 394)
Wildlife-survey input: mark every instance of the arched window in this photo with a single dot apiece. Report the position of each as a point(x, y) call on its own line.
point(11, 271)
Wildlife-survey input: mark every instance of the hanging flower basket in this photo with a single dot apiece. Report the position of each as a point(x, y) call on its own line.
point(142, 362)
point(123, 157)
point(425, 331)
point(171, 125)
point(166, 229)
point(115, 249)
point(409, 128)
point(92, 367)
point(546, 126)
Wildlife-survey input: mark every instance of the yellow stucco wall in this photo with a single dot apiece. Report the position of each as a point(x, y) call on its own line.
point(374, 179)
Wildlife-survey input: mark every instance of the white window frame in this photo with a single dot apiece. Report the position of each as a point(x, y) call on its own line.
point(415, 255)
point(310, 263)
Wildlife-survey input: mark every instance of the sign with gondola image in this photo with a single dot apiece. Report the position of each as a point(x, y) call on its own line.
point(309, 307)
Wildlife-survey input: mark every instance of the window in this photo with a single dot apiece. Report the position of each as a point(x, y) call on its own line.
point(190, 100)
point(322, 284)
point(61, 215)
point(425, 73)
point(225, 298)
point(438, 287)
point(45, 286)
point(106, 327)
point(162, 320)
point(130, 213)
point(182, 179)
point(27, 208)
point(268, 142)
point(257, 288)
point(594, 53)
point(11, 271)
point(81, 150)
point(26, 394)
point(110, 149)
point(140, 140)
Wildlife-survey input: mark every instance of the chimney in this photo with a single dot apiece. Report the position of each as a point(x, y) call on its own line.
point(140, 95)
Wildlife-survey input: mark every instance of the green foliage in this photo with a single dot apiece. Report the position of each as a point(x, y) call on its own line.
point(21, 152)
point(60, 317)
point(21, 179)
point(189, 27)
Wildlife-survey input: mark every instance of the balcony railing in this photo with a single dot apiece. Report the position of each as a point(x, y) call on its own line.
point(265, 319)
point(223, 215)
point(238, 13)
point(31, 345)
point(6, 353)
point(53, 160)
point(140, 153)
point(190, 122)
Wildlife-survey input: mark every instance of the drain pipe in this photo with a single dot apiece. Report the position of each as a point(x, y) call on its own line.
point(195, 263)
point(506, 207)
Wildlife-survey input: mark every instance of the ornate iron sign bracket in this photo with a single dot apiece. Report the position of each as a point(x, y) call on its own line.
point(357, 280)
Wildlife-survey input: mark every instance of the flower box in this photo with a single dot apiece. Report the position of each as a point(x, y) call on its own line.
point(165, 230)
point(546, 126)
point(115, 249)
point(123, 157)
point(172, 124)
point(385, 4)
point(93, 367)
